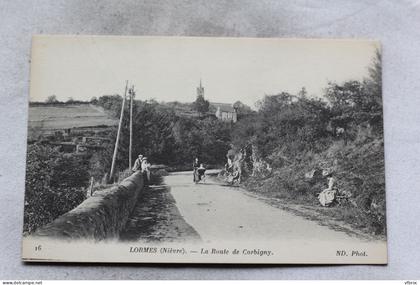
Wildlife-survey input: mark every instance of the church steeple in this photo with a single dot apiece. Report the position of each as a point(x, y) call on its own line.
point(200, 90)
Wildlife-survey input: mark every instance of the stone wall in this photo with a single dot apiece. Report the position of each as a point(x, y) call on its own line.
point(99, 217)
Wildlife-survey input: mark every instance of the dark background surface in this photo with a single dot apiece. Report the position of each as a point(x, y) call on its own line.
point(395, 23)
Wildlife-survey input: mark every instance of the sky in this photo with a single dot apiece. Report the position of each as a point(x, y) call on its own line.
point(170, 68)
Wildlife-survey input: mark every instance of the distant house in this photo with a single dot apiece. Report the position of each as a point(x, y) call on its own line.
point(225, 112)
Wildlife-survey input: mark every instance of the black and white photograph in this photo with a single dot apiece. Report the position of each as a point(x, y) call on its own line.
point(205, 150)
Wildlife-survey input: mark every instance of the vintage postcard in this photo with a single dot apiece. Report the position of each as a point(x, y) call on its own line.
point(205, 150)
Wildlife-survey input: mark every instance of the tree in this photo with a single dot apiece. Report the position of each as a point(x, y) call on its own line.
point(51, 99)
point(373, 86)
point(94, 100)
point(201, 105)
point(111, 103)
point(303, 93)
point(374, 81)
point(356, 103)
point(241, 108)
point(209, 139)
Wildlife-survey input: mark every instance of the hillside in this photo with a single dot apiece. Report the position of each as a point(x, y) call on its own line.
point(65, 116)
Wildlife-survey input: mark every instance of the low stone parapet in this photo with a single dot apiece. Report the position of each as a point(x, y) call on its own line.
point(101, 216)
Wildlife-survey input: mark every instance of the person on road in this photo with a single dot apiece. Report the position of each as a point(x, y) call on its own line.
point(201, 171)
point(196, 165)
point(137, 163)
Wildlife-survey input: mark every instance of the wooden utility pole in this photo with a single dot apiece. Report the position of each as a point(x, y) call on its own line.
point(114, 157)
point(131, 128)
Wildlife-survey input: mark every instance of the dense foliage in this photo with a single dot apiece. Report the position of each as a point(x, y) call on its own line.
point(54, 185)
point(201, 105)
point(168, 138)
point(344, 134)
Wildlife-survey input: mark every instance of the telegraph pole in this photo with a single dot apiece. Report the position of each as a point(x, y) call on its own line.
point(132, 93)
point(114, 157)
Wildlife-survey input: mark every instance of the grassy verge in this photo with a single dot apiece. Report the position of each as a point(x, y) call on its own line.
point(359, 172)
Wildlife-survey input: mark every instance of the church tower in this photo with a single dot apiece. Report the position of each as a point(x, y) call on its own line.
point(200, 90)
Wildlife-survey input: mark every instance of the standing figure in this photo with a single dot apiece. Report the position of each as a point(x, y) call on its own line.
point(196, 165)
point(145, 168)
point(137, 163)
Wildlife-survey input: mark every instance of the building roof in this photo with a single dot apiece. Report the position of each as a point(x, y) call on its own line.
point(224, 107)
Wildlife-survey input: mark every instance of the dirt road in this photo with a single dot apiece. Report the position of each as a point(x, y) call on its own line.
point(210, 212)
point(219, 212)
point(156, 218)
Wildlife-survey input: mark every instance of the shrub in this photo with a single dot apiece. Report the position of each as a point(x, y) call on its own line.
point(54, 185)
